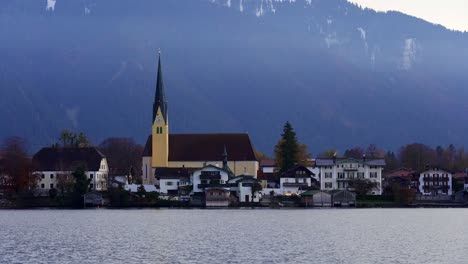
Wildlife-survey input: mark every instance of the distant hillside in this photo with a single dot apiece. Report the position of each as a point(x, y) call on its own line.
point(342, 75)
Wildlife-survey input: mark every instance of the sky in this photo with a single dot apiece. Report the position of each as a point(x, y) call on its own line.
point(452, 14)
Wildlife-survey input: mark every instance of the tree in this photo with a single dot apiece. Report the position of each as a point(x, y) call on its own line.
point(355, 153)
point(329, 154)
point(288, 151)
point(17, 165)
point(71, 139)
point(256, 187)
point(65, 183)
point(362, 186)
point(391, 161)
point(260, 155)
point(123, 156)
point(372, 152)
point(81, 186)
point(417, 156)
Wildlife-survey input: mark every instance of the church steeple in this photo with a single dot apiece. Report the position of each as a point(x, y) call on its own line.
point(225, 164)
point(160, 98)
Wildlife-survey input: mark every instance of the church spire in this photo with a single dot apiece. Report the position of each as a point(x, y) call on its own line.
point(160, 98)
point(225, 157)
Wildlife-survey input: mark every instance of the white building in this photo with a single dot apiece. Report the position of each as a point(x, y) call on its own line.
point(209, 177)
point(174, 182)
point(241, 186)
point(335, 174)
point(435, 181)
point(297, 180)
point(56, 165)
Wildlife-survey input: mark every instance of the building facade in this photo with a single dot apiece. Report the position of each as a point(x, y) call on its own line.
point(435, 181)
point(56, 165)
point(297, 180)
point(337, 174)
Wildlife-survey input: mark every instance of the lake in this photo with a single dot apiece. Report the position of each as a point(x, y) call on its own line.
point(234, 236)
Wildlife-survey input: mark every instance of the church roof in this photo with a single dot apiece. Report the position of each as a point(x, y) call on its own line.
point(206, 147)
point(159, 97)
point(68, 159)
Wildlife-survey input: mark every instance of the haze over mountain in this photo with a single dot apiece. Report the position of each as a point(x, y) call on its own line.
point(342, 75)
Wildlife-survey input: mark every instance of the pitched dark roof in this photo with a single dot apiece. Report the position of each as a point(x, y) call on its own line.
point(297, 171)
point(206, 147)
point(67, 159)
point(159, 97)
point(173, 173)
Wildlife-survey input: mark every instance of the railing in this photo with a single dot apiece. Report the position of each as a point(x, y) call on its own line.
point(208, 185)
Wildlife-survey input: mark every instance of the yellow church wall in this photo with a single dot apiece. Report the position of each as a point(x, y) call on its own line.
point(160, 141)
point(237, 167)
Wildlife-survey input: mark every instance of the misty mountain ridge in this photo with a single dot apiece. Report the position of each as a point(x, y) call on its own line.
point(342, 75)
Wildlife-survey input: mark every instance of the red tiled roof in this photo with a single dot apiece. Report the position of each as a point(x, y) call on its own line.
point(403, 172)
point(460, 175)
point(206, 147)
point(267, 163)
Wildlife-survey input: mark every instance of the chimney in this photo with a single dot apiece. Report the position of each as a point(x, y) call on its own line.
point(334, 158)
point(364, 159)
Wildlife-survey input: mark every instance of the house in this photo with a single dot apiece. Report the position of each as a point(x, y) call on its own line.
point(343, 198)
point(462, 178)
point(297, 180)
point(209, 177)
point(174, 181)
point(435, 181)
point(403, 177)
point(56, 165)
point(243, 187)
point(163, 149)
point(267, 166)
point(217, 197)
point(337, 174)
point(316, 198)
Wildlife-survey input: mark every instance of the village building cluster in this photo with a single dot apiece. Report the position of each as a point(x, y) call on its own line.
point(219, 170)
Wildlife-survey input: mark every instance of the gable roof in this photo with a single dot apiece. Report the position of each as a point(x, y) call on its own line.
point(331, 162)
point(401, 172)
point(292, 172)
point(68, 159)
point(206, 147)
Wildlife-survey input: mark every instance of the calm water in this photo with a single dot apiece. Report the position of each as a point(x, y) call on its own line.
point(248, 236)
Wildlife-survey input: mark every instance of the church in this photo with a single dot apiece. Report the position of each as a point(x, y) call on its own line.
point(164, 150)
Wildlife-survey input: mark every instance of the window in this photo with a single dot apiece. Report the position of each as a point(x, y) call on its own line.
point(42, 185)
point(43, 176)
point(373, 174)
point(91, 176)
point(328, 185)
point(51, 176)
point(91, 185)
point(341, 175)
point(51, 185)
point(169, 183)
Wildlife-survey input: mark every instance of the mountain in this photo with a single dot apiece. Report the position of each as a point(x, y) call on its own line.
point(342, 75)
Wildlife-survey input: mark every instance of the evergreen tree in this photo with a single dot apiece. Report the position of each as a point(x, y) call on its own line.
point(81, 186)
point(287, 149)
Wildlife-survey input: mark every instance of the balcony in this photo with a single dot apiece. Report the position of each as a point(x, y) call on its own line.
point(212, 185)
point(295, 184)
